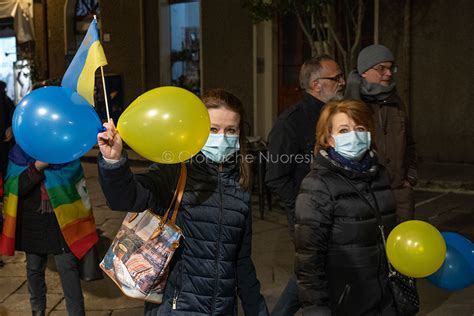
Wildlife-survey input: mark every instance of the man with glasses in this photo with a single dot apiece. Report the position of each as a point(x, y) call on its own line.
point(373, 83)
point(290, 147)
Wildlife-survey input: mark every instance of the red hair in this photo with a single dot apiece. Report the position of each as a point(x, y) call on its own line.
point(355, 109)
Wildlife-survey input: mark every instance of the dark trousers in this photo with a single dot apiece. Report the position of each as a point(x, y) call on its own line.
point(68, 272)
point(288, 303)
point(405, 198)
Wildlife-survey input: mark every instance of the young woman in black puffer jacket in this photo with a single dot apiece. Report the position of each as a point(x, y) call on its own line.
point(213, 265)
point(340, 263)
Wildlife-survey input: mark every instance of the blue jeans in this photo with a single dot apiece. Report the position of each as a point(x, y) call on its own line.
point(67, 265)
point(288, 303)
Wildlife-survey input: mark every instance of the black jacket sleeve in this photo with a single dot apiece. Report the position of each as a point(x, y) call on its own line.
point(248, 285)
point(128, 192)
point(313, 225)
point(282, 147)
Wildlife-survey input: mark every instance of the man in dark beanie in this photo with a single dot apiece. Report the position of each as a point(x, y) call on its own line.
point(373, 83)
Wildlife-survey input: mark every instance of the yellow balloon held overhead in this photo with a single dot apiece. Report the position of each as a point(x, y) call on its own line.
point(165, 125)
point(416, 249)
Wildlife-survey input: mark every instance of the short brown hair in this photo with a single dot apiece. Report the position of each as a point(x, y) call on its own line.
point(355, 109)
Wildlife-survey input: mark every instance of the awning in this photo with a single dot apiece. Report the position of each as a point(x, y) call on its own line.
point(22, 12)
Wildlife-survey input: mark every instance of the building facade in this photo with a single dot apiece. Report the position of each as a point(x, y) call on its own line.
point(221, 47)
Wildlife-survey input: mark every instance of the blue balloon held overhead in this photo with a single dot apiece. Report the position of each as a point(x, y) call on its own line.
point(55, 125)
point(457, 271)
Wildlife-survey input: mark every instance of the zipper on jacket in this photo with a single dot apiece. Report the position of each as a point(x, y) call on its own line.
point(216, 279)
point(342, 298)
point(176, 293)
point(175, 299)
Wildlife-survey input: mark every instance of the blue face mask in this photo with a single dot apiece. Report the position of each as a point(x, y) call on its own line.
point(219, 146)
point(352, 145)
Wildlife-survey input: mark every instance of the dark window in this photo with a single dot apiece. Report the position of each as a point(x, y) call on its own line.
point(185, 37)
point(87, 7)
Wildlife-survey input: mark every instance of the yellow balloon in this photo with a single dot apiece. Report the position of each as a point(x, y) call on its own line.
point(165, 125)
point(416, 248)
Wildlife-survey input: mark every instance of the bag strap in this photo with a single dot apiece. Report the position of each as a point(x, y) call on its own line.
point(177, 197)
point(180, 189)
point(178, 194)
point(376, 211)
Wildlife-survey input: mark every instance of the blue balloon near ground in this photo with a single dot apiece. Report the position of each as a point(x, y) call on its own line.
point(55, 125)
point(457, 271)
point(462, 244)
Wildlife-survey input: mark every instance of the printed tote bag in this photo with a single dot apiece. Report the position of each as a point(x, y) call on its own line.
point(138, 258)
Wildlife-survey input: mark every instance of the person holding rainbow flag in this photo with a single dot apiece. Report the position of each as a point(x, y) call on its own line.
point(46, 206)
point(48, 211)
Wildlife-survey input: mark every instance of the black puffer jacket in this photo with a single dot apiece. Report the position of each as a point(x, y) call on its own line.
point(340, 260)
point(213, 263)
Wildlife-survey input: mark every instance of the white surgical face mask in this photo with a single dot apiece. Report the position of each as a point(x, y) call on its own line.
point(219, 146)
point(352, 145)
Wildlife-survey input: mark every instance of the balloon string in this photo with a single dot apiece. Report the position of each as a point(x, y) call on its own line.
point(105, 93)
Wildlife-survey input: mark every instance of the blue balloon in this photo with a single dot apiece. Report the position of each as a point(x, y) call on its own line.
point(461, 244)
point(55, 125)
point(457, 271)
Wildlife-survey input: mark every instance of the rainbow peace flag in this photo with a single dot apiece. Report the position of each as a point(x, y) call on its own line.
point(68, 195)
point(80, 74)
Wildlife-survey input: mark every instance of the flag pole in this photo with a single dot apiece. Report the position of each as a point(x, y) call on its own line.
point(105, 94)
point(105, 89)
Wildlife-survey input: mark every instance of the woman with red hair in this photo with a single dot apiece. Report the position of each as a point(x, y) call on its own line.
point(340, 259)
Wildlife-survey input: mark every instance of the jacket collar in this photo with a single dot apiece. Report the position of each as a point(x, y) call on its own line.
point(324, 162)
point(312, 101)
point(310, 105)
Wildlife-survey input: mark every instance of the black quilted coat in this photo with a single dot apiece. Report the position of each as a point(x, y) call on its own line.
point(340, 261)
point(212, 266)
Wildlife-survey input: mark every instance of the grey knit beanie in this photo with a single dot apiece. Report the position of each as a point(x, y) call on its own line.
point(373, 55)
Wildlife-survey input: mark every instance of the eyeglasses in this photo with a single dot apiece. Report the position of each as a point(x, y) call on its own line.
point(337, 78)
point(381, 69)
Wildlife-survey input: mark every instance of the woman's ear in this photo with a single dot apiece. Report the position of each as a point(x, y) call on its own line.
point(332, 141)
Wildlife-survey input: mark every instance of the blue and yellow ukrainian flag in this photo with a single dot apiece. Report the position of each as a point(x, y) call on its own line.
point(80, 74)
